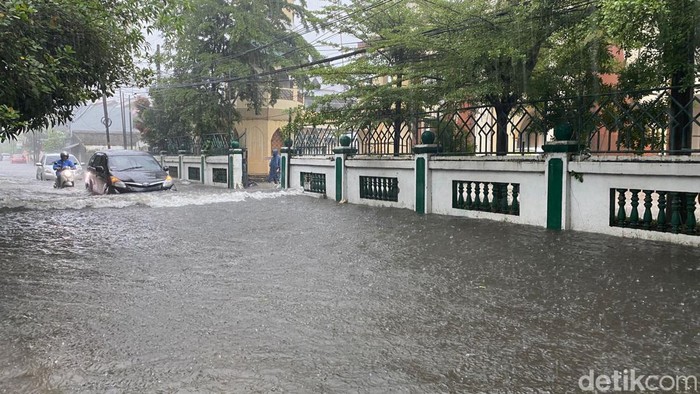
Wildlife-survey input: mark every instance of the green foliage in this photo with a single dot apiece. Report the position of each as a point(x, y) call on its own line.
point(455, 52)
point(639, 124)
point(221, 54)
point(299, 117)
point(55, 141)
point(664, 36)
point(165, 117)
point(382, 85)
point(450, 137)
point(57, 54)
point(141, 104)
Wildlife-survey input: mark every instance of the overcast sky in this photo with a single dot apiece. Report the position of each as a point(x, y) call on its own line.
point(315, 38)
point(312, 37)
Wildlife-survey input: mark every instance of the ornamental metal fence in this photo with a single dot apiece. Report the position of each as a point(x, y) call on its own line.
point(655, 121)
point(214, 144)
point(380, 138)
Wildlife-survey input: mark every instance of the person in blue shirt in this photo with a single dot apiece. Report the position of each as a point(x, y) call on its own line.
point(59, 165)
point(274, 175)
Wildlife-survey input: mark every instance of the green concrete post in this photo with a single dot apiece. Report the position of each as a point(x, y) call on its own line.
point(179, 166)
point(202, 168)
point(230, 171)
point(285, 162)
point(423, 152)
point(341, 174)
point(558, 191)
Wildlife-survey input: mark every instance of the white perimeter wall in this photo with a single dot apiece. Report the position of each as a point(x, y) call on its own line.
point(317, 165)
point(529, 173)
point(401, 168)
point(590, 199)
point(210, 162)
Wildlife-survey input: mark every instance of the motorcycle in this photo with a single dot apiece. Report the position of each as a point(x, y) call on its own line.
point(66, 178)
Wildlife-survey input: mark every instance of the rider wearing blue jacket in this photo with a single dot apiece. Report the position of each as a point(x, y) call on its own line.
point(59, 165)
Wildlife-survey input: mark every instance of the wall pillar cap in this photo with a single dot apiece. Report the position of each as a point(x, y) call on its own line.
point(344, 150)
point(562, 147)
point(426, 148)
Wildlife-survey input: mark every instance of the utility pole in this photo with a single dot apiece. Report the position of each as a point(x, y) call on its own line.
point(121, 108)
point(34, 147)
point(106, 121)
point(131, 126)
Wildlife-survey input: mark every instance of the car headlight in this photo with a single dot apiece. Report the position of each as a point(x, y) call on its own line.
point(116, 182)
point(168, 181)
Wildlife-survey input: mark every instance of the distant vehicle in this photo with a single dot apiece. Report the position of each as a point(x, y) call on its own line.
point(5, 156)
point(124, 171)
point(44, 168)
point(18, 158)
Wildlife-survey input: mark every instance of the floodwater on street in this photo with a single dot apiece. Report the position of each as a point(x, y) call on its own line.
point(209, 290)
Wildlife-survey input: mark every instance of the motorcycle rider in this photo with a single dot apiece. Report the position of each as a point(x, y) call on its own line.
point(60, 165)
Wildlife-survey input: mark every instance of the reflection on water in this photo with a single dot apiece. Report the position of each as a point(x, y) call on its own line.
point(208, 290)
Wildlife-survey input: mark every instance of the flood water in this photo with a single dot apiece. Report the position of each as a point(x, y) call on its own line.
point(209, 290)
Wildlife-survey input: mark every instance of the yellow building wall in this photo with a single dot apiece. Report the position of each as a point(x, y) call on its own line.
point(256, 130)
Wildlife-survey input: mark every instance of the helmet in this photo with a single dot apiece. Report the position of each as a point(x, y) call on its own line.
point(64, 155)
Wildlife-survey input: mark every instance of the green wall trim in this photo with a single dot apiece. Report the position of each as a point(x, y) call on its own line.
point(420, 185)
point(338, 179)
point(283, 173)
point(230, 171)
point(202, 169)
point(554, 193)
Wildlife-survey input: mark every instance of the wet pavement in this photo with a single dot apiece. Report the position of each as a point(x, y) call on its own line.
point(209, 290)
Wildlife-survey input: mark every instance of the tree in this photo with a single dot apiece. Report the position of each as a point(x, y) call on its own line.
point(383, 86)
point(167, 118)
point(664, 36)
point(221, 53)
point(477, 52)
point(141, 104)
point(58, 54)
point(55, 141)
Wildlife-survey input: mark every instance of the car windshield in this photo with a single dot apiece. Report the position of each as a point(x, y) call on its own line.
point(123, 163)
point(50, 159)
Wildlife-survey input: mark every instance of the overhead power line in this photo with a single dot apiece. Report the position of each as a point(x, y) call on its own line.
point(430, 32)
point(283, 70)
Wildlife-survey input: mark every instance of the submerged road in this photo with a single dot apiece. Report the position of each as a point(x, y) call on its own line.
point(209, 290)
